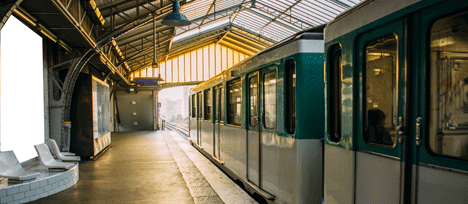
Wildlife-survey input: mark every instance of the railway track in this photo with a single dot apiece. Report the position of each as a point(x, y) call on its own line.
point(180, 128)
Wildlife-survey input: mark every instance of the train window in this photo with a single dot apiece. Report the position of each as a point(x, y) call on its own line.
point(234, 91)
point(380, 92)
point(448, 123)
point(199, 105)
point(291, 96)
point(222, 103)
point(219, 103)
point(269, 99)
point(207, 107)
point(253, 98)
point(336, 71)
point(194, 107)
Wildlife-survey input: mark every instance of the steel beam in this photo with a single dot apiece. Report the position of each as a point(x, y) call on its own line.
point(282, 13)
point(273, 11)
point(267, 17)
point(210, 18)
point(6, 9)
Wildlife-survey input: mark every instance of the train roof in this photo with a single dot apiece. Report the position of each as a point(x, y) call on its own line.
point(315, 33)
point(362, 14)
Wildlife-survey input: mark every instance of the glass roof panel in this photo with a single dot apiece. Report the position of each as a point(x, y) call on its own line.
point(319, 8)
point(333, 5)
point(287, 21)
point(196, 9)
point(250, 20)
point(259, 20)
point(272, 30)
point(350, 3)
point(274, 4)
point(224, 4)
point(276, 19)
point(301, 15)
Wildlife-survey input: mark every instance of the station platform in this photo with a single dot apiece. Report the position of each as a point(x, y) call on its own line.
point(150, 167)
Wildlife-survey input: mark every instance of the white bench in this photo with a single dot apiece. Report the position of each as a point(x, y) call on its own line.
point(60, 155)
point(11, 168)
point(48, 160)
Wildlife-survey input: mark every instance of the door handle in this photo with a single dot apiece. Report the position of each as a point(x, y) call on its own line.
point(418, 131)
point(400, 129)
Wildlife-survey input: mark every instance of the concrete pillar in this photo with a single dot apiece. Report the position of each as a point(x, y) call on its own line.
point(155, 110)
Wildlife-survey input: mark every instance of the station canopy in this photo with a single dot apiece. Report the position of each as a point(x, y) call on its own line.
point(245, 26)
point(221, 34)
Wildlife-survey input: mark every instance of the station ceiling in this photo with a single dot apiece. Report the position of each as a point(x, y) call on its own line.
point(247, 26)
point(251, 25)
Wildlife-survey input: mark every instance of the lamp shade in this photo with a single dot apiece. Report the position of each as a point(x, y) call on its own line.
point(158, 79)
point(154, 64)
point(176, 18)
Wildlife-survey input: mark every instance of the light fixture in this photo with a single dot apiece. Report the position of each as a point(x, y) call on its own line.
point(155, 61)
point(158, 79)
point(155, 64)
point(176, 18)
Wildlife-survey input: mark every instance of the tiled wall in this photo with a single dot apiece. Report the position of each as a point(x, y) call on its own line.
point(39, 188)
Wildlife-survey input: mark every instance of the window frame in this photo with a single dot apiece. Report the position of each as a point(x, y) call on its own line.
point(335, 95)
point(199, 105)
point(249, 77)
point(222, 102)
point(427, 138)
point(263, 99)
point(290, 112)
point(207, 110)
point(395, 94)
point(228, 102)
point(193, 107)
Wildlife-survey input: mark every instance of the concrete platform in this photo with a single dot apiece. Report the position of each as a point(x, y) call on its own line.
point(150, 167)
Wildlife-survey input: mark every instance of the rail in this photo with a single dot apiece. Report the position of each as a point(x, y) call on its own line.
point(178, 127)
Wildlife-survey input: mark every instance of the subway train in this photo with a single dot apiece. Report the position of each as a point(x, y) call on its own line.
point(380, 115)
point(397, 98)
point(253, 123)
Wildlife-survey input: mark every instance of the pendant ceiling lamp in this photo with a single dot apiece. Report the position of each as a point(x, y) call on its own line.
point(155, 64)
point(176, 18)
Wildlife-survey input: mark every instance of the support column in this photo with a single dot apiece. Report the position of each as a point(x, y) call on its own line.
point(155, 110)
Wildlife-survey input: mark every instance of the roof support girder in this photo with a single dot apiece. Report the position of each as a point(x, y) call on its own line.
point(273, 11)
point(6, 9)
point(278, 16)
point(216, 15)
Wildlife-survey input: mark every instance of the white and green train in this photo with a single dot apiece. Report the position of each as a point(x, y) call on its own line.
point(384, 121)
point(254, 120)
point(397, 98)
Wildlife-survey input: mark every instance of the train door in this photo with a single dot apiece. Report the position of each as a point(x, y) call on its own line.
point(380, 160)
point(219, 110)
point(199, 118)
point(253, 132)
point(440, 118)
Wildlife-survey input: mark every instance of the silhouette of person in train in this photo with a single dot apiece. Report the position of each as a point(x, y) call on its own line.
point(376, 131)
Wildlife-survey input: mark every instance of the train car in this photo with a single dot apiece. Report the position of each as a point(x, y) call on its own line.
point(262, 121)
point(397, 97)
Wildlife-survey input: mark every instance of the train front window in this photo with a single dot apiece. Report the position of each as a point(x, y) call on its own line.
point(448, 123)
point(269, 99)
point(234, 91)
point(380, 91)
